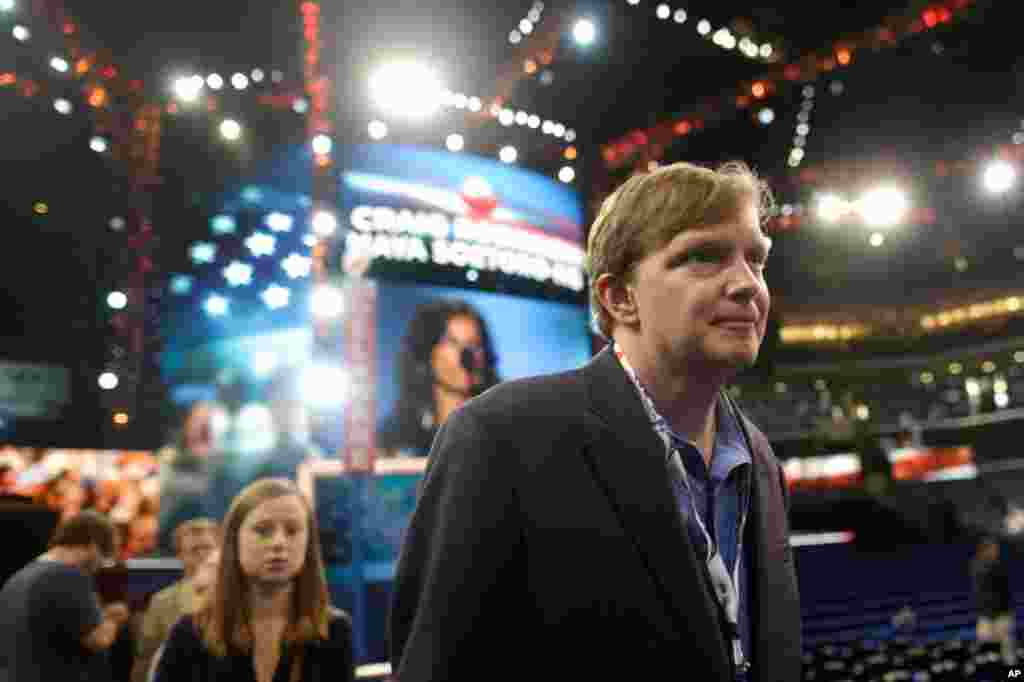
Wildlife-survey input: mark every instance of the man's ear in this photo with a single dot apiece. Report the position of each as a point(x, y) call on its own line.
point(616, 297)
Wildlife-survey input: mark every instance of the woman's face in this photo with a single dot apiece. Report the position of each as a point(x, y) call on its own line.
point(272, 540)
point(462, 332)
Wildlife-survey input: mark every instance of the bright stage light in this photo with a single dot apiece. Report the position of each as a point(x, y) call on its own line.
point(261, 244)
point(883, 207)
point(703, 27)
point(584, 32)
point(663, 11)
point(238, 274)
point(323, 387)
point(264, 362)
point(455, 142)
point(187, 88)
point(566, 174)
point(507, 117)
point(62, 106)
point(766, 116)
point(239, 81)
point(679, 16)
point(279, 222)
point(223, 224)
point(203, 252)
point(378, 130)
point(230, 130)
point(877, 239)
point(257, 75)
point(215, 81)
point(6, 5)
point(324, 223)
point(108, 381)
point(322, 144)
point(297, 265)
point(98, 144)
point(276, 296)
point(508, 154)
point(999, 176)
point(117, 300)
point(766, 50)
point(831, 207)
point(406, 89)
point(326, 302)
point(59, 64)
point(20, 33)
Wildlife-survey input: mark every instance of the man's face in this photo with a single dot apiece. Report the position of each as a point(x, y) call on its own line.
point(196, 547)
point(702, 300)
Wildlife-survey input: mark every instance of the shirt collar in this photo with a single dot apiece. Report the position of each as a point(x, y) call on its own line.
point(730, 447)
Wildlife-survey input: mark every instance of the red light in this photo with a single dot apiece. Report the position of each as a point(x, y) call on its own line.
point(97, 97)
point(758, 90)
point(844, 56)
point(683, 128)
point(930, 17)
point(791, 72)
point(699, 124)
point(310, 8)
point(545, 57)
point(108, 72)
point(945, 16)
point(742, 102)
point(7, 79)
point(639, 138)
point(69, 28)
point(136, 85)
point(609, 154)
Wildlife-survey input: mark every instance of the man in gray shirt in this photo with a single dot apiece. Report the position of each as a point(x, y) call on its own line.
point(53, 626)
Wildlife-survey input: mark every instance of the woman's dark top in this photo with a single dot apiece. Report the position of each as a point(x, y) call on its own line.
point(185, 657)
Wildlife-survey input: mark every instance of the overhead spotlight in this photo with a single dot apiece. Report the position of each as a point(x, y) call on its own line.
point(454, 142)
point(526, 27)
point(522, 117)
point(474, 104)
point(766, 116)
point(570, 135)
point(515, 37)
point(239, 81)
point(59, 64)
point(300, 105)
point(633, 2)
point(558, 130)
point(117, 300)
point(999, 176)
point(547, 127)
point(62, 106)
point(187, 88)
point(230, 129)
point(108, 381)
point(507, 117)
point(883, 207)
point(20, 33)
point(276, 296)
point(326, 302)
point(322, 144)
point(238, 273)
point(877, 239)
point(378, 130)
point(831, 207)
point(324, 223)
point(508, 154)
point(703, 27)
point(566, 174)
point(584, 32)
point(98, 144)
point(6, 5)
point(257, 75)
point(279, 222)
point(409, 89)
point(533, 121)
point(533, 15)
point(679, 16)
point(214, 81)
point(663, 11)
point(766, 51)
point(324, 387)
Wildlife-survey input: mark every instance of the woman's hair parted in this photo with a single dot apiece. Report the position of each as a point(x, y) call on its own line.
point(225, 619)
point(648, 210)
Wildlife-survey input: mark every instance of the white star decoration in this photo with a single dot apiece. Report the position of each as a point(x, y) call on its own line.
point(279, 222)
point(203, 252)
point(276, 296)
point(261, 244)
point(238, 273)
point(297, 265)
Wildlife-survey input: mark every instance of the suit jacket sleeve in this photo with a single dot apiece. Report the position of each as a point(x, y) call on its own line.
point(459, 580)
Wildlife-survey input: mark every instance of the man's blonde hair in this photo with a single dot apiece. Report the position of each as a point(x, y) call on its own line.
point(648, 210)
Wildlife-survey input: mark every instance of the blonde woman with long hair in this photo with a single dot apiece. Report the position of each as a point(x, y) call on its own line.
point(267, 618)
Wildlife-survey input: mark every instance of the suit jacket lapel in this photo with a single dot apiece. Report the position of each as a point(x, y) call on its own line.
point(628, 458)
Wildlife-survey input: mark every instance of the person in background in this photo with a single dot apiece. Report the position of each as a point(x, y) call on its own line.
point(994, 599)
point(195, 541)
point(187, 471)
point(293, 444)
point(625, 515)
point(53, 626)
point(447, 358)
point(268, 615)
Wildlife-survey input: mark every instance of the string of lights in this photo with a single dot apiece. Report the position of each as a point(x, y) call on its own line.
point(638, 147)
point(723, 37)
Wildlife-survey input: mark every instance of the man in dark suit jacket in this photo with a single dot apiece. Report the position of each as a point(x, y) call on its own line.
point(624, 518)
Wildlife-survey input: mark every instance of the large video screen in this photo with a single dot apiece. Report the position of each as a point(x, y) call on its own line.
point(465, 272)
